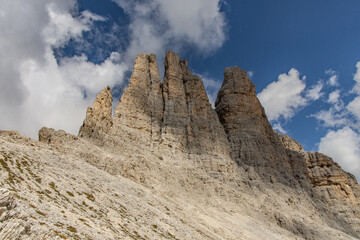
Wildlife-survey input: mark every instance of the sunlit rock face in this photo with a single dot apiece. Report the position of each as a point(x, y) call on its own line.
point(166, 165)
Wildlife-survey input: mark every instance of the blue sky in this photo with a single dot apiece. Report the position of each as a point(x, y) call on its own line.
point(301, 55)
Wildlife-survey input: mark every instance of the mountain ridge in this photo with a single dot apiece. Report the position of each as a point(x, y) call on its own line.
point(219, 169)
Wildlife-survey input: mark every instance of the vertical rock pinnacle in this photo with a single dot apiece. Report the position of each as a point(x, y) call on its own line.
point(189, 121)
point(175, 114)
point(98, 119)
point(141, 105)
point(250, 134)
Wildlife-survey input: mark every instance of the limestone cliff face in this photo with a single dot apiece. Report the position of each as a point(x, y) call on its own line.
point(290, 143)
point(338, 190)
point(323, 173)
point(250, 134)
point(174, 121)
point(167, 165)
point(331, 186)
point(175, 114)
point(141, 104)
point(189, 120)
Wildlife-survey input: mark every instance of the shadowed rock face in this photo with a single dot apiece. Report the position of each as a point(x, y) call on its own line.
point(189, 120)
point(141, 104)
point(330, 185)
point(169, 166)
point(251, 137)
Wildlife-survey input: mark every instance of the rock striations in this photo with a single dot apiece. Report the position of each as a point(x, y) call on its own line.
point(98, 121)
point(250, 134)
point(166, 165)
point(175, 114)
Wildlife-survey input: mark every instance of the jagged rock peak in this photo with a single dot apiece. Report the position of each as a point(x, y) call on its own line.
point(141, 104)
point(167, 163)
point(98, 119)
point(189, 120)
point(175, 113)
point(250, 134)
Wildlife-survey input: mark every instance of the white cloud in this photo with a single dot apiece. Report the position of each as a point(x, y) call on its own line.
point(60, 102)
point(336, 115)
point(198, 21)
point(330, 72)
point(279, 128)
point(157, 25)
point(333, 79)
point(39, 90)
point(333, 117)
point(283, 97)
point(92, 77)
point(354, 105)
point(62, 26)
point(354, 108)
point(314, 93)
point(339, 114)
point(250, 74)
point(343, 144)
point(357, 79)
point(334, 97)
point(344, 147)
point(36, 90)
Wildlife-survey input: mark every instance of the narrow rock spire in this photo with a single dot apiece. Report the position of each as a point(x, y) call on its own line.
point(141, 104)
point(189, 121)
point(98, 119)
point(250, 134)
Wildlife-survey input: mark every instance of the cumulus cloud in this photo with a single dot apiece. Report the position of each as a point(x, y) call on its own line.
point(62, 25)
point(283, 97)
point(40, 90)
point(159, 24)
point(343, 146)
point(92, 77)
point(59, 102)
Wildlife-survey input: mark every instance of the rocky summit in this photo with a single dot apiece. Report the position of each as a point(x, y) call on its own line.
point(166, 165)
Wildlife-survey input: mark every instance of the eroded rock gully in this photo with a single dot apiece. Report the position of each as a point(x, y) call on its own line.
point(167, 165)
